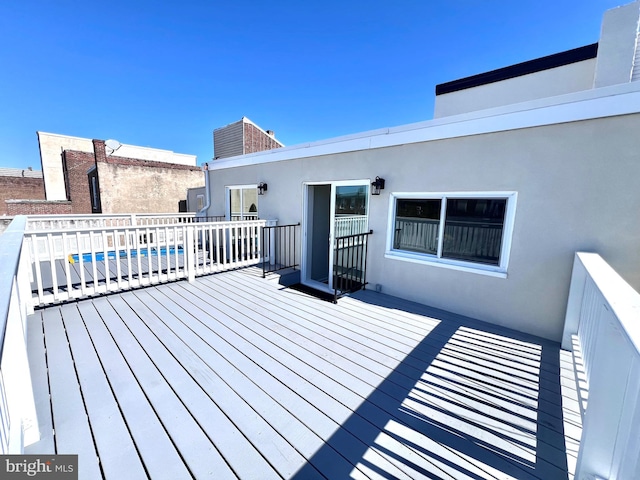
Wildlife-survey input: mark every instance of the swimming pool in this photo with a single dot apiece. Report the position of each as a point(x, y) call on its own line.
point(142, 252)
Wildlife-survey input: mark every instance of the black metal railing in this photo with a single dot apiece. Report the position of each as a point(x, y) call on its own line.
point(210, 218)
point(350, 263)
point(279, 247)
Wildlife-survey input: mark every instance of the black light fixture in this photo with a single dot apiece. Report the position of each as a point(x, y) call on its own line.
point(377, 186)
point(262, 188)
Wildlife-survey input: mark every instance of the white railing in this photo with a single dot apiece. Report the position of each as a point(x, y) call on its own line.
point(56, 222)
point(350, 225)
point(18, 420)
point(74, 263)
point(225, 245)
point(603, 325)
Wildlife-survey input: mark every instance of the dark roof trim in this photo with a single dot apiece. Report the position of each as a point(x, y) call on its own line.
point(539, 64)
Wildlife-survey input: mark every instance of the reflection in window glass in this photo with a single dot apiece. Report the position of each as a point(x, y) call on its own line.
point(351, 200)
point(250, 203)
point(243, 203)
point(416, 226)
point(473, 229)
point(468, 229)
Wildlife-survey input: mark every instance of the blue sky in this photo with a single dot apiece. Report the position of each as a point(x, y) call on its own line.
point(164, 74)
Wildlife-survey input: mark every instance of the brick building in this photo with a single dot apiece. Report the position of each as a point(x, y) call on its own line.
point(242, 137)
point(237, 138)
point(95, 176)
point(17, 184)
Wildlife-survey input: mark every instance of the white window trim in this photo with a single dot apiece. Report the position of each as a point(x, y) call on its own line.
point(465, 266)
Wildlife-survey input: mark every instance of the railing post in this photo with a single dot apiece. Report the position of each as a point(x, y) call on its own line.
point(574, 303)
point(190, 253)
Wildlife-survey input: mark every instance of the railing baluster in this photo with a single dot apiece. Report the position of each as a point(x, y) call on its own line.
point(107, 262)
point(158, 247)
point(36, 264)
point(349, 265)
point(52, 262)
point(93, 262)
point(65, 260)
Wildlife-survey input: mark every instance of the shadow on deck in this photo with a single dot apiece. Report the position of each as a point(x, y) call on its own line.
point(469, 401)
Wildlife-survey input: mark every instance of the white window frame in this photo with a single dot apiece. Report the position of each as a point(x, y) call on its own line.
point(438, 261)
point(227, 201)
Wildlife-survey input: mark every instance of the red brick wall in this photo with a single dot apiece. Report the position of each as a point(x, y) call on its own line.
point(12, 188)
point(38, 207)
point(78, 164)
point(255, 140)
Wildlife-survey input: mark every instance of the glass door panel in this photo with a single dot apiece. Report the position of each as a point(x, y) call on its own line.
point(350, 204)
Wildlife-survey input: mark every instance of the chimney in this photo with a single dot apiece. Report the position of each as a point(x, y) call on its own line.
point(271, 133)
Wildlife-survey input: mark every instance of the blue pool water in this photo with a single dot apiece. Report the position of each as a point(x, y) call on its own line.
point(143, 252)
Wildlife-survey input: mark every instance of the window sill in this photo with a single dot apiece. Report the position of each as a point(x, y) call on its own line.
point(446, 263)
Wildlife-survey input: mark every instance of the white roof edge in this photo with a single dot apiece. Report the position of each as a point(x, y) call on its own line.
point(609, 101)
point(140, 147)
point(38, 132)
point(60, 135)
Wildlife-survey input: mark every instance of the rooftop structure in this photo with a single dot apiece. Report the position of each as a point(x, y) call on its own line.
point(242, 137)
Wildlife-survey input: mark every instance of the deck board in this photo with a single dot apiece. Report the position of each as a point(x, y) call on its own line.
point(156, 449)
point(189, 440)
point(70, 422)
point(234, 376)
point(115, 447)
point(38, 370)
point(190, 384)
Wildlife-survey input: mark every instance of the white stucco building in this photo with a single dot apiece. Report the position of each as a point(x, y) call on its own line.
point(485, 205)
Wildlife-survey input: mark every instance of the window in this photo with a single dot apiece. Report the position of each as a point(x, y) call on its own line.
point(199, 202)
point(469, 231)
point(242, 202)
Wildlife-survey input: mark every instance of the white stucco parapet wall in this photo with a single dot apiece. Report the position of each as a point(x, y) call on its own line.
point(603, 102)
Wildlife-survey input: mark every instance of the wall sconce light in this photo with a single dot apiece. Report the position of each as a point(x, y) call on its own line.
point(377, 186)
point(262, 188)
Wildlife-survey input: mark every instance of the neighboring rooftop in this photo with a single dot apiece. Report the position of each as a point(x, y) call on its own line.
point(20, 172)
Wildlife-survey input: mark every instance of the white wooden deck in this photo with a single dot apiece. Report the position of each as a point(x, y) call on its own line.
point(234, 376)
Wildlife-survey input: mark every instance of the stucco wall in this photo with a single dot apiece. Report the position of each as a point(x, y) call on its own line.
point(192, 198)
point(617, 45)
point(547, 83)
point(577, 190)
point(135, 186)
